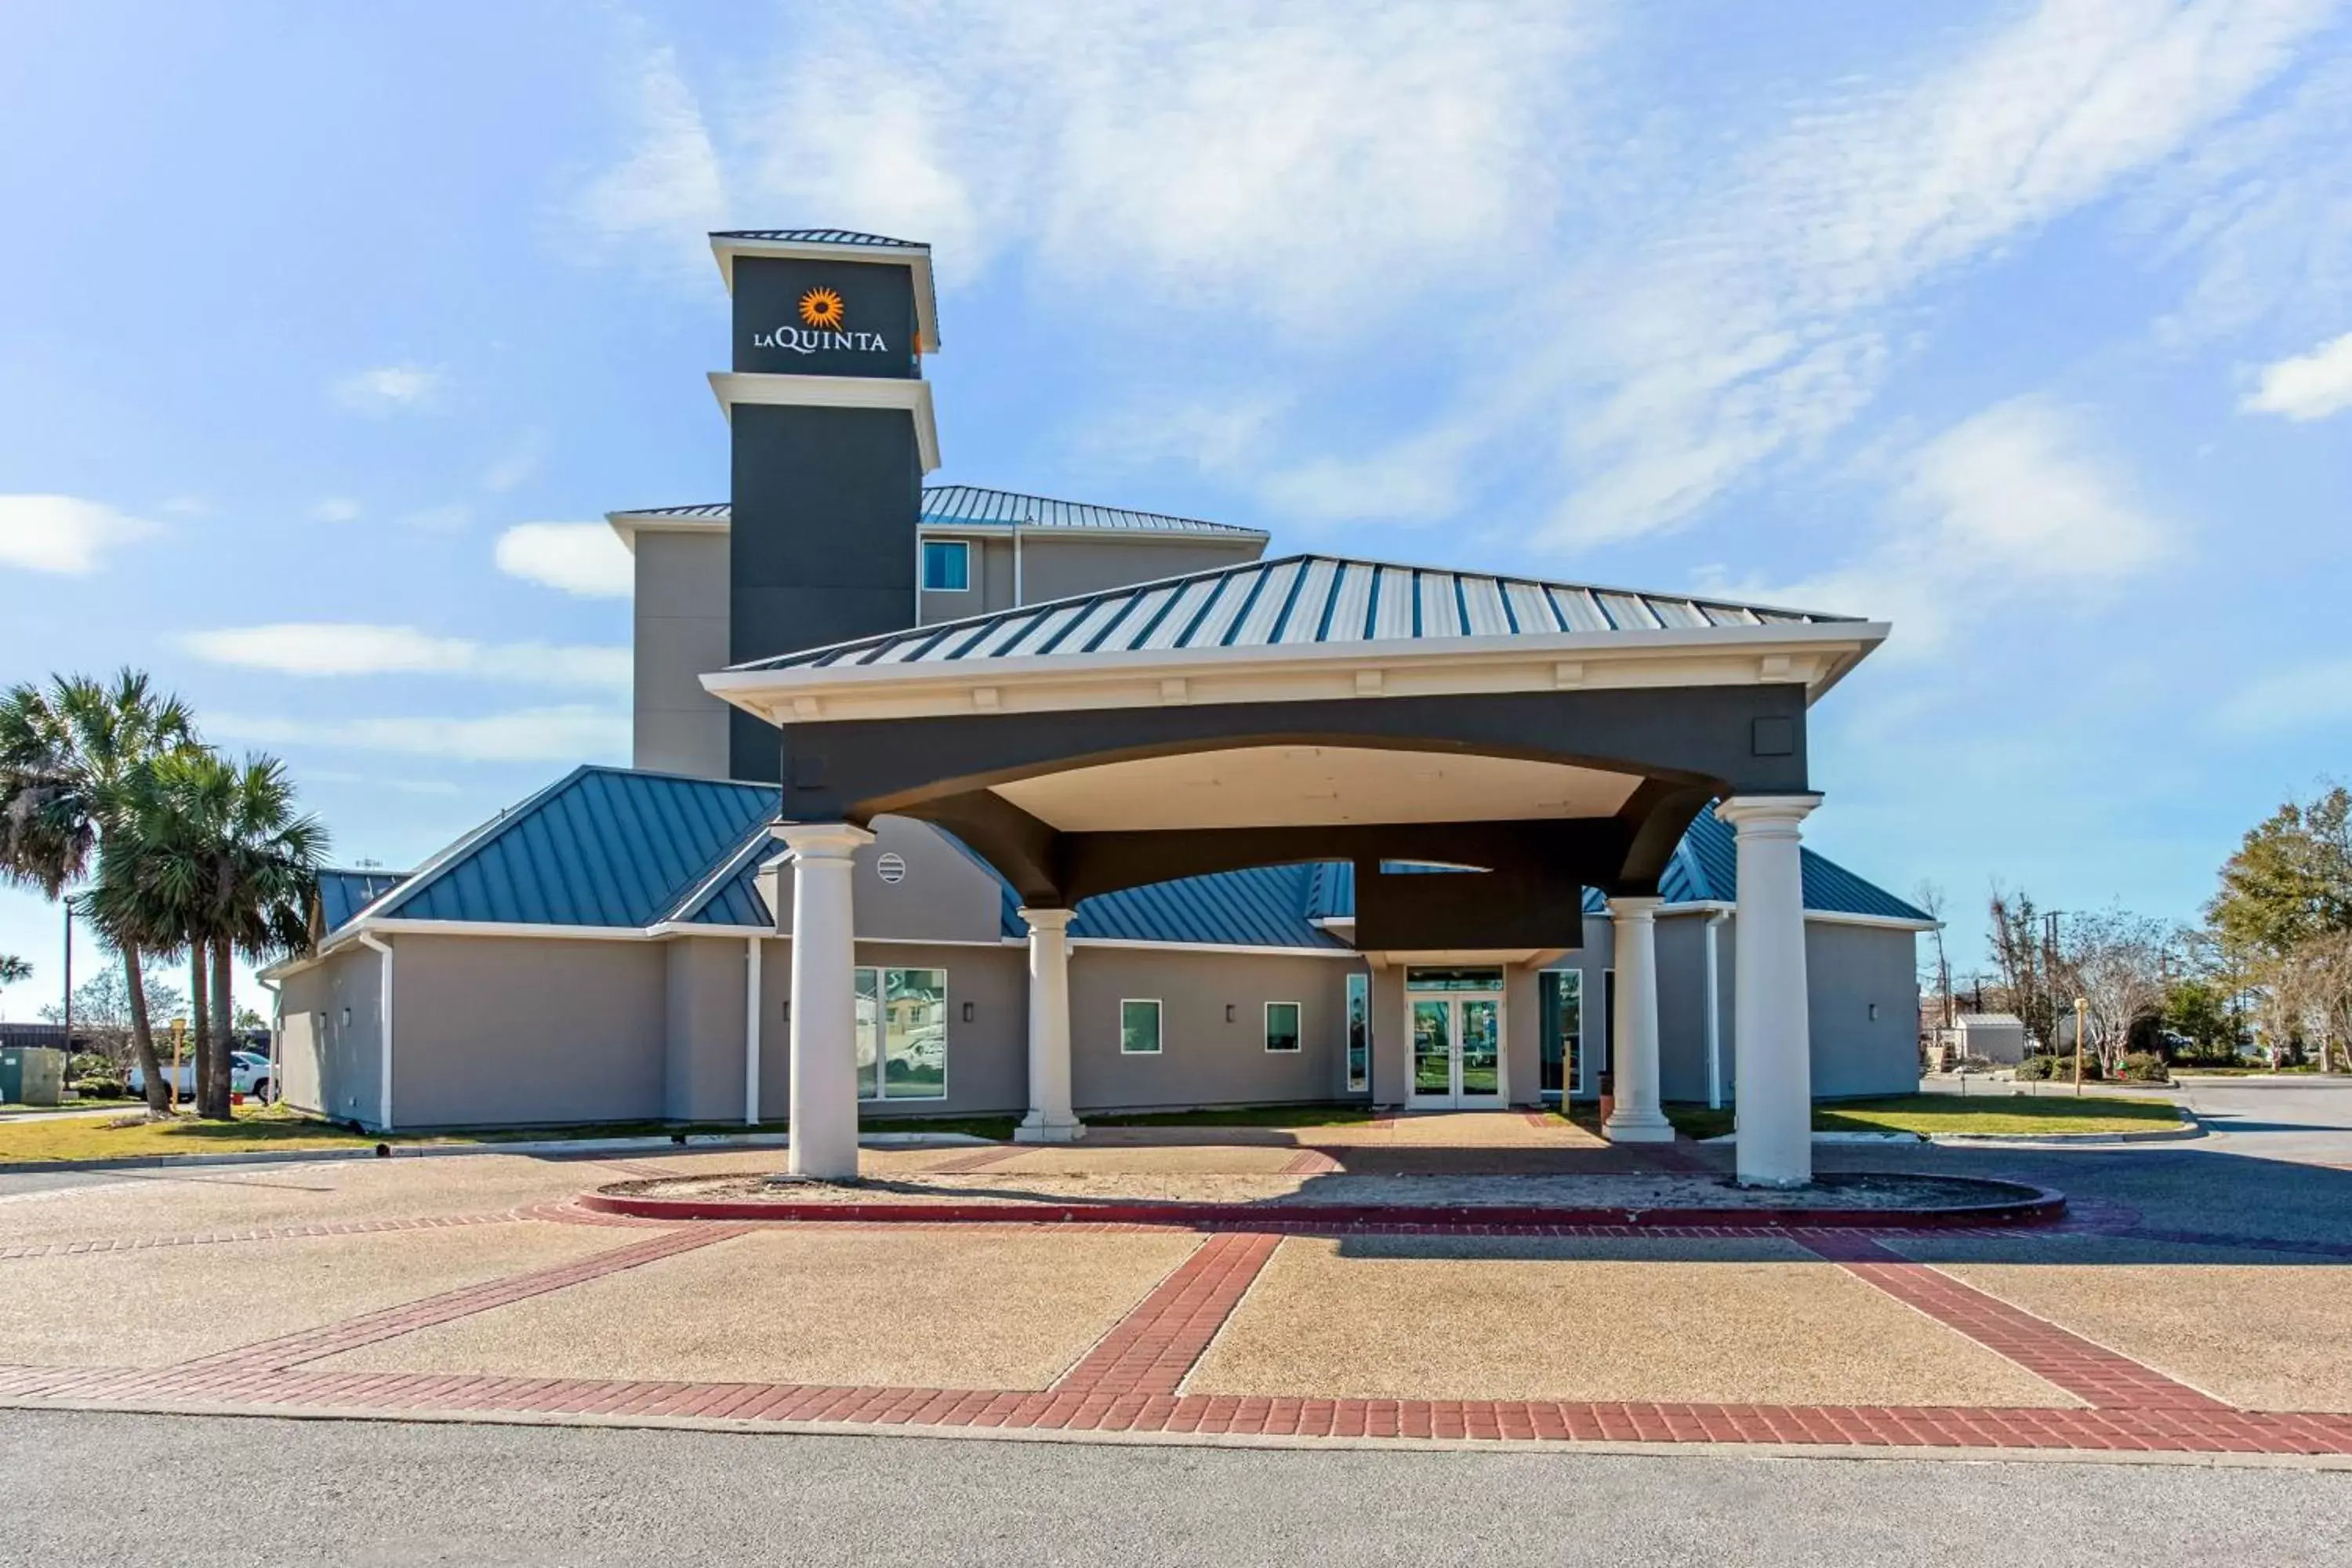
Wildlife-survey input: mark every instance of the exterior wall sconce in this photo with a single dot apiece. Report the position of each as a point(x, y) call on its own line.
point(967, 1012)
point(1229, 1012)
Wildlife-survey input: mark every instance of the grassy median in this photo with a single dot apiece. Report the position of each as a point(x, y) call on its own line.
point(1991, 1114)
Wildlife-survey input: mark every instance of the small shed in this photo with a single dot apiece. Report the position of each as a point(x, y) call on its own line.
point(1999, 1038)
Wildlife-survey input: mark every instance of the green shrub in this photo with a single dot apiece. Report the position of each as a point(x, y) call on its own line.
point(2038, 1067)
point(2144, 1067)
point(97, 1087)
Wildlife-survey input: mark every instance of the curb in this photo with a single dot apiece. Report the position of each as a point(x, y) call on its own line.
point(451, 1150)
point(2032, 1205)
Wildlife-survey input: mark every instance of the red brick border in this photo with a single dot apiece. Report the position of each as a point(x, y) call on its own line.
point(312, 1344)
point(2102, 1378)
point(257, 1233)
point(263, 1390)
point(970, 1159)
point(1152, 1348)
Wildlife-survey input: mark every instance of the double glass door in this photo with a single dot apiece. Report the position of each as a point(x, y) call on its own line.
point(1457, 1049)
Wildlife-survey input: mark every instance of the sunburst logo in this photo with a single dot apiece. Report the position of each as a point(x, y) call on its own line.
point(821, 309)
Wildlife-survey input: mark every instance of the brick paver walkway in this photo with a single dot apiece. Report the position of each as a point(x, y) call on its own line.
point(1133, 1379)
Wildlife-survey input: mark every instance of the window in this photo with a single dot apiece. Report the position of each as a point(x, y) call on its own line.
point(1139, 1028)
point(1559, 1006)
point(902, 1033)
point(1454, 980)
point(947, 565)
point(1359, 1033)
point(1282, 1026)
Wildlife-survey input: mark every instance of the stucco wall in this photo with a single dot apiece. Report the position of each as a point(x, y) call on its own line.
point(1204, 1058)
point(704, 996)
point(490, 1029)
point(679, 634)
point(988, 1054)
point(943, 895)
point(334, 1063)
point(1054, 568)
point(1849, 972)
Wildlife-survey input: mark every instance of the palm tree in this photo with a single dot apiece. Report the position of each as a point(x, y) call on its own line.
point(214, 859)
point(70, 756)
point(13, 969)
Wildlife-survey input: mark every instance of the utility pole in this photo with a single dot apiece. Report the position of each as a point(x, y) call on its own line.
point(2082, 1009)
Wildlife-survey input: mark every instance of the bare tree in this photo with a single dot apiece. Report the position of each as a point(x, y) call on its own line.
point(2116, 963)
point(1930, 898)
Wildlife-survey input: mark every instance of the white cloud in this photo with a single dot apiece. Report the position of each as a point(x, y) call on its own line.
point(2308, 387)
point(584, 558)
point(388, 388)
point(2017, 503)
point(337, 509)
point(669, 188)
point(334, 648)
point(569, 734)
point(2305, 696)
point(64, 534)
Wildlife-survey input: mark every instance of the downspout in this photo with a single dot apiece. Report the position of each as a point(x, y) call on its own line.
point(277, 1037)
point(1714, 1015)
point(752, 1032)
point(383, 1102)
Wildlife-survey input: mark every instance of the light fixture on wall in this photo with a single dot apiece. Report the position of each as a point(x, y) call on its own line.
point(967, 1012)
point(1229, 1012)
point(1874, 1012)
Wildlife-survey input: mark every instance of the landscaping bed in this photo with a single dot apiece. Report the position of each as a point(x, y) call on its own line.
point(1992, 1112)
point(1670, 1199)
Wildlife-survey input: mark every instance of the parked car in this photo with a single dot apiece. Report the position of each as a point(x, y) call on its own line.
point(249, 1074)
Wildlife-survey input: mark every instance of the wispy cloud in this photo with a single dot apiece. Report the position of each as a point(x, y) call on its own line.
point(64, 535)
point(390, 388)
point(344, 648)
point(668, 189)
point(2307, 386)
point(2020, 501)
point(584, 558)
point(518, 463)
point(2302, 696)
point(567, 734)
point(337, 509)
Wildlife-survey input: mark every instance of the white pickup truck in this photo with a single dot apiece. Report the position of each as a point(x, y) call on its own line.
point(249, 1074)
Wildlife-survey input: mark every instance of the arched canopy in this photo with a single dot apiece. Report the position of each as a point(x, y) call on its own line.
point(1555, 755)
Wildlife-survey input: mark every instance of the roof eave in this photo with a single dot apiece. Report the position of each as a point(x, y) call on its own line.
point(798, 693)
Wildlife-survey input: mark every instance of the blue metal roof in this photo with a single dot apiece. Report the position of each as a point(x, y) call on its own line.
point(343, 893)
point(1297, 599)
point(610, 847)
point(979, 508)
point(1704, 869)
point(819, 236)
point(602, 846)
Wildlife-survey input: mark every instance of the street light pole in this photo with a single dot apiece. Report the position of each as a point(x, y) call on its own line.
point(68, 1009)
point(2082, 1007)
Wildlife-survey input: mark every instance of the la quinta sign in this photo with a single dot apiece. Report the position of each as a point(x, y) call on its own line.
point(824, 324)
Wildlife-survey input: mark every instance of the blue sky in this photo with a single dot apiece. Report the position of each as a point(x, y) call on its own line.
point(332, 329)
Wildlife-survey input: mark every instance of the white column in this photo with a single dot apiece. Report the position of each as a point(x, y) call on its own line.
point(1773, 1050)
point(1636, 1118)
point(825, 1001)
point(1050, 1118)
point(751, 1031)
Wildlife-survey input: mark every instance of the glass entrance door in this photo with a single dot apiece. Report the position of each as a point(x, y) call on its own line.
point(1457, 1050)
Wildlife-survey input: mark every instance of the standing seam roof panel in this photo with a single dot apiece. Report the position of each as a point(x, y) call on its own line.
point(1282, 582)
point(1310, 615)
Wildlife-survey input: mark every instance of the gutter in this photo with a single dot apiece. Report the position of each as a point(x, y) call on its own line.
point(1714, 1012)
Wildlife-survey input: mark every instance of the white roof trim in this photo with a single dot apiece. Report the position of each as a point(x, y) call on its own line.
point(910, 392)
point(1533, 661)
point(1236, 948)
point(725, 248)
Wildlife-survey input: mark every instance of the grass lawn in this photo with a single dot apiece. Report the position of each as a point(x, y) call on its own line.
point(1929, 1114)
point(1246, 1116)
point(254, 1127)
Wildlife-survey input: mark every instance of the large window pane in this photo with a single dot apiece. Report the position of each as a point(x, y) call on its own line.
point(947, 565)
point(1360, 1032)
point(1282, 1026)
point(914, 1034)
point(1139, 1028)
point(1560, 1028)
point(869, 1034)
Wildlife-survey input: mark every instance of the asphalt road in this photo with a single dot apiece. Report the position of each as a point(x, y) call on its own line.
point(192, 1491)
point(2308, 1121)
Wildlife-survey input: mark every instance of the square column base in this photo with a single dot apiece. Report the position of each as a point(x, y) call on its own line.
point(1034, 1131)
point(1636, 1129)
